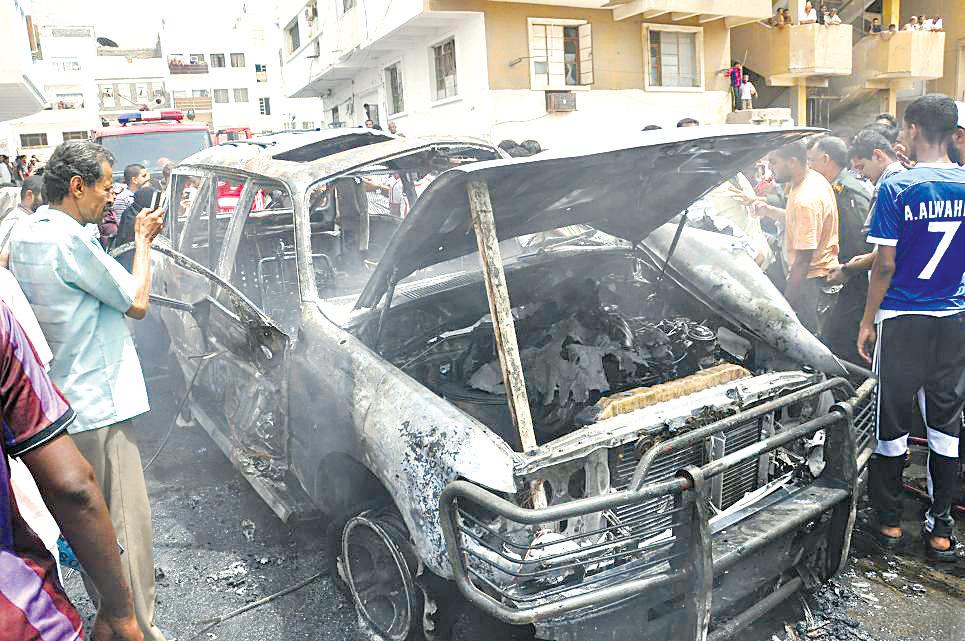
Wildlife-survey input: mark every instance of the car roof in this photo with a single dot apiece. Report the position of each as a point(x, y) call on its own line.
point(303, 157)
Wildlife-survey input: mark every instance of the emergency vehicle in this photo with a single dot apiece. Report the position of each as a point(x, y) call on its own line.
point(152, 138)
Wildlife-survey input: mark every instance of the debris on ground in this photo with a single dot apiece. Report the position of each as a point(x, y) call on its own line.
point(233, 576)
point(248, 529)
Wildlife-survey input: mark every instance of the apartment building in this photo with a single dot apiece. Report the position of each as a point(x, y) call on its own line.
point(232, 77)
point(553, 71)
point(839, 75)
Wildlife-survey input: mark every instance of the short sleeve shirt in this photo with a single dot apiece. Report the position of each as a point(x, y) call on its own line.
point(812, 224)
point(80, 296)
point(33, 604)
point(921, 213)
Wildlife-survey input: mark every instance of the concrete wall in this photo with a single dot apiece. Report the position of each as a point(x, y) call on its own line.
point(618, 48)
point(952, 12)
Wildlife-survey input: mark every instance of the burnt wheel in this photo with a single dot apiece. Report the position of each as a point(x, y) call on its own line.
point(374, 566)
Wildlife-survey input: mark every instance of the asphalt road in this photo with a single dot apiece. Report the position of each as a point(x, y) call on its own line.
point(219, 547)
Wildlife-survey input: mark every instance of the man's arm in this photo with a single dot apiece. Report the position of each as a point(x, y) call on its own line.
point(881, 272)
point(147, 225)
point(67, 483)
point(797, 274)
point(857, 265)
point(764, 210)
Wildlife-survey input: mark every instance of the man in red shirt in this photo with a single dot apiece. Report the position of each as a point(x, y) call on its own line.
point(33, 604)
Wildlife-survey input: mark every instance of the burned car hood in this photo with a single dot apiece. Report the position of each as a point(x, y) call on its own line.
point(626, 190)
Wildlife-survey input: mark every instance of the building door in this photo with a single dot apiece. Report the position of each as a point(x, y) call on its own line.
point(370, 105)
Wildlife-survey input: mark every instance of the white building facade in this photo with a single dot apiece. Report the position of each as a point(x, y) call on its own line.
point(20, 83)
point(232, 78)
point(551, 71)
point(65, 57)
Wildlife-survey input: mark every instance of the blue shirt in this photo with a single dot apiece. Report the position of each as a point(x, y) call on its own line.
point(80, 295)
point(921, 212)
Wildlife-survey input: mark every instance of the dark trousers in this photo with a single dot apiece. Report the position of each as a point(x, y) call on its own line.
point(919, 358)
point(806, 305)
point(841, 330)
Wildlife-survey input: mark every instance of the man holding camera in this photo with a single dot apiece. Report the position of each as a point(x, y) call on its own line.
point(81, 296)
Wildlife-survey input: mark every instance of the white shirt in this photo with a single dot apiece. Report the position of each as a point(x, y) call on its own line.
point(833, 20)
point(747, 91)
point(5, 176)
point(938, 25)
point(12, 296)
point(928, 25)
point(808, 16)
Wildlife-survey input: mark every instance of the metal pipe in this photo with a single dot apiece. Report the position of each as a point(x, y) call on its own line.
point(696, 436)
point(756, 611)
point(580, 507)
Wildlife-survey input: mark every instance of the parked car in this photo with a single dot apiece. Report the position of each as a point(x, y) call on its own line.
point(696, 449)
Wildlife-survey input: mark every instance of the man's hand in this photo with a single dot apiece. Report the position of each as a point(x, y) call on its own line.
point(107, 628)
point(902, 152)
point(867, 335)
point(148, 224)
point(837, 276)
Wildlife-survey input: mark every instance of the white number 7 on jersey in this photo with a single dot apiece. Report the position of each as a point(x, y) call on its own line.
point(948, 230)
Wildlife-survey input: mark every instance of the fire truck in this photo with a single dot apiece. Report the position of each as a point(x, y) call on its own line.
point(152, 138)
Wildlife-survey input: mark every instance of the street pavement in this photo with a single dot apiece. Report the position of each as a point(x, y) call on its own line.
point(219, 547)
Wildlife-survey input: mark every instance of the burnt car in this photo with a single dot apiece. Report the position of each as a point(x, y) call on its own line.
point(532, 406)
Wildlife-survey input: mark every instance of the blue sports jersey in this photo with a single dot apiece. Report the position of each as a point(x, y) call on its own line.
point(921, 212)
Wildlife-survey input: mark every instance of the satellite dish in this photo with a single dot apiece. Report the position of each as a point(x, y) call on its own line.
point(106, 42)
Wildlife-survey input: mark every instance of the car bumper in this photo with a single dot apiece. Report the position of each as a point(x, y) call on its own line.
point(706, 573)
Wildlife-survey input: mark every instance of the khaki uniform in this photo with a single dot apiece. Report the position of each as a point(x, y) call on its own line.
point(854, 202)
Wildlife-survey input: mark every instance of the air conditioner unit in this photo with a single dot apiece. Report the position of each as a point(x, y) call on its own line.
point(559, 101)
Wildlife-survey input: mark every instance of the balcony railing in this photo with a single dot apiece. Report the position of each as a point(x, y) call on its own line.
point(183, 68)
point(785, 55)
point(910, 55)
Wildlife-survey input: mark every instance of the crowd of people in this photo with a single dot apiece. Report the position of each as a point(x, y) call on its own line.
point(70, 367)
point(808, 14)
point(873, 264)
point(18, 170)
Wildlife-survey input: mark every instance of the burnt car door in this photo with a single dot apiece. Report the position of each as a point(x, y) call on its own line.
point(232, 353)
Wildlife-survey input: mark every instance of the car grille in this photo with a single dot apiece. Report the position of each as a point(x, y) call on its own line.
point(736, 481)
point(864, 421)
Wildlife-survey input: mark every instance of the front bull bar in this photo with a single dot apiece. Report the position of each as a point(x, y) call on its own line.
point(699, 567)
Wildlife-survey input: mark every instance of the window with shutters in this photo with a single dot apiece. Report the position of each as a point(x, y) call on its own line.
point(217, 60)
point(393, 89)
point(444, 70)
point(560, 53)
point(221, 96)
point(241, 95)
point(674, 57)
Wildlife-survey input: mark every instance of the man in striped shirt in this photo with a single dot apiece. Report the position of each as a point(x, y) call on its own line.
point(33, 605)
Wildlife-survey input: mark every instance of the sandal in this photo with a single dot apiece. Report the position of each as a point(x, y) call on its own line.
point(890, 542)
point(951, 555)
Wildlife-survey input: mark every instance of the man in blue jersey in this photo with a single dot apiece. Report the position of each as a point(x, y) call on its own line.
point(916, 311)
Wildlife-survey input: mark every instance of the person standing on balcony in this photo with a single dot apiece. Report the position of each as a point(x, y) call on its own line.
point(912, 24)
point(834, 18)
point(914, 320)
point(748, 91)
point(808, 14)
point(736, 75)
point(875, 28)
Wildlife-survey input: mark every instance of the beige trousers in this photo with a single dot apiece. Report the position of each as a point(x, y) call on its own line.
point(113, 454)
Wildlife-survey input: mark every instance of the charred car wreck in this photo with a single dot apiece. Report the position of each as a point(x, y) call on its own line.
point(604, 427)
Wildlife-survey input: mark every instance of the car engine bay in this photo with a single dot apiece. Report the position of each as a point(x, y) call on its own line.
point(588, 336)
